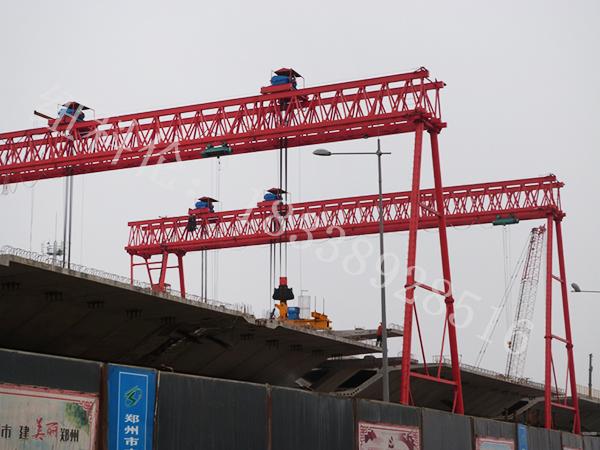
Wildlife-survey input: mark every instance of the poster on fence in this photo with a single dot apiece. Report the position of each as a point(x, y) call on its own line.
point(488, 443)
point(131, 404)
point(34, 418)
point(379, 436)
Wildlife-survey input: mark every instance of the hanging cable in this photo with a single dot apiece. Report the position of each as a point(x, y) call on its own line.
point(299, 198)
point(202, 275)
point(81, 236)
point(31, 219)
point(216, 253)
point(286, 203)
point(70, 220)
point(282, 195)
point(270, 277)
point(205, 267)
point(506, 258)
point(279, 224)
point(65, 222)
point(7, 188)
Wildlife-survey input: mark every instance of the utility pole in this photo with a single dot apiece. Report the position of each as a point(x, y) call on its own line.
point(384, 344)
point(67, 223)
point(385, 372)
point(590, 377)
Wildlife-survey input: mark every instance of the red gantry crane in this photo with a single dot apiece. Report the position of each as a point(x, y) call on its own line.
point(281, 117)
point(336, 112)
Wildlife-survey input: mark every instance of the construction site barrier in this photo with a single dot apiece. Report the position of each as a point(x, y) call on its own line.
point(381, 412)
point(31, 369)
point(204, 413)
point(541, 439)
point(207, 413)
point(303, 420)
point(591, 443)
point(571, 440)
point(494, 429)
point(445, 431)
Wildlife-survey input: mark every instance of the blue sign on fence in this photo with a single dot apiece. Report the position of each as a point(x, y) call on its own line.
point(131, 395)
point(522, 437)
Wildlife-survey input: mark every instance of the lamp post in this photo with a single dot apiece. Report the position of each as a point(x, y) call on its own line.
point(590, 372)
point(384, 347)
point(577, 289)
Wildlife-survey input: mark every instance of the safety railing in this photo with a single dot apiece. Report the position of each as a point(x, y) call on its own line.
point(582, 391)
point(57, 262)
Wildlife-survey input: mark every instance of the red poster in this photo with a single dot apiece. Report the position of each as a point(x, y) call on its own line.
point(379, 436)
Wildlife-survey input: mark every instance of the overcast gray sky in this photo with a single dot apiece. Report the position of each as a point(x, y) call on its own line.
point(522, 100)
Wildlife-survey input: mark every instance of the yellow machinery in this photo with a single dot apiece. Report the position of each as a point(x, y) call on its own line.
point(319, 321)
point(290, 315)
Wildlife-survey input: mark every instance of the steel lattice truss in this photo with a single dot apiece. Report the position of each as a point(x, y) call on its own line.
point(337, 112)
point(515, 364)
point(532, 198)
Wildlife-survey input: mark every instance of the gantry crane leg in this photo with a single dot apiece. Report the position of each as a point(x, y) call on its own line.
point(557, 401)
point(412, 283)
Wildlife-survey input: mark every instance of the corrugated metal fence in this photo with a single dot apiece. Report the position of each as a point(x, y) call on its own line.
point(207, 414)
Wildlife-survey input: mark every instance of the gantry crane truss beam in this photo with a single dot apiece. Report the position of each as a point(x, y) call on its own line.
point(532, 198)
point(336, 112)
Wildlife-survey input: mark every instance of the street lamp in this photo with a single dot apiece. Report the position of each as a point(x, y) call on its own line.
point(577, 289)
point(384, 347)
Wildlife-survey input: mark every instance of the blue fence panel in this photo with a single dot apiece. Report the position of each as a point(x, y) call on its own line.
point(131, 405)
point(522, 440)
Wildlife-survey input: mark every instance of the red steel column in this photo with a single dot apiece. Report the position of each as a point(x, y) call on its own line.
point(181, 278)
point(163, 272)
point(449, 299)
point(149, 272)
point(131, 269)
point(548, 336)
point(410, 272)
point(568, 335)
